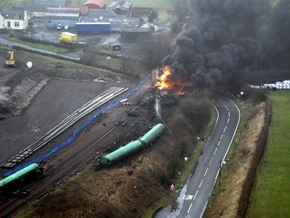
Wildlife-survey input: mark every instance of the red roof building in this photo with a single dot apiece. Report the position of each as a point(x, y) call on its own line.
point(96, 4)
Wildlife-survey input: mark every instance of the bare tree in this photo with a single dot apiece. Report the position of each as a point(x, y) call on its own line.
point(153, 49)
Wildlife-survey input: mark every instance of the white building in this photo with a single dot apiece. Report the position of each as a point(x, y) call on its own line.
point(15, 18)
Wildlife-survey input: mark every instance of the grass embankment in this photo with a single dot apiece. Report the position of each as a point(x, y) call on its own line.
point(270, 197)
point(192, 160)
point(42, 46)
point(46, 62)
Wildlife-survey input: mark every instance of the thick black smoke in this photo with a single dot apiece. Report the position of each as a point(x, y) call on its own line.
point(224, 38)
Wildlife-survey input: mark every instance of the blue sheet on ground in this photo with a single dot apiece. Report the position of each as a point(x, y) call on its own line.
point(77, 130)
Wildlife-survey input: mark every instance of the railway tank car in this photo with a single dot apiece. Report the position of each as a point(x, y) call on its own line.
point(121, 153)
point(16, 180)
point(133, 147)
point(153, 134)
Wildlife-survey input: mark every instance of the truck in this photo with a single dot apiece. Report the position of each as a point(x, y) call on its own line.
point(10, 61)
point(67, 37)
point(94, 27)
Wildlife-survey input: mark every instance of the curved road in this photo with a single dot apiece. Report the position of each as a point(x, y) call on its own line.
point(195, 194)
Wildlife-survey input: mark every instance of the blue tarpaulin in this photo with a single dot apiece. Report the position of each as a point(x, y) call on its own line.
point(77, 130)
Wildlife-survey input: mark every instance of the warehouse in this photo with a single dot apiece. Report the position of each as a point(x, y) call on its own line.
point(62, 17)
point(116, 23)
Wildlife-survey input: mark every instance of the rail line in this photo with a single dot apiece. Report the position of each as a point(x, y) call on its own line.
point(76, 163)
point(65, 124)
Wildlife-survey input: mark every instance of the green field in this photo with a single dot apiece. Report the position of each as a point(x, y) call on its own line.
point(271, 195)
point(157, 4)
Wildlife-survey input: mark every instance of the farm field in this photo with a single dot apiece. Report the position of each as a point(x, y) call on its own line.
point(158, 4)
point(270, 196)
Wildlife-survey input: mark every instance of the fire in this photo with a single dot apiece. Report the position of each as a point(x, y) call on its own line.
point(165, 82)
point(181, 92)
point(163, 79)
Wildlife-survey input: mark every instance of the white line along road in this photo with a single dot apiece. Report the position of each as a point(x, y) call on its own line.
point(202, 182)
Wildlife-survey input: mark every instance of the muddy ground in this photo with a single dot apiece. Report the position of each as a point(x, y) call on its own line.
point(33, 101)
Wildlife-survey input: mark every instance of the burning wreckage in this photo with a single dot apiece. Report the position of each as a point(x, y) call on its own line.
point(168, 88)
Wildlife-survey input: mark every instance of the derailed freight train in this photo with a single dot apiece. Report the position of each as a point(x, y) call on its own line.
point(13, 185)
point(133, 147)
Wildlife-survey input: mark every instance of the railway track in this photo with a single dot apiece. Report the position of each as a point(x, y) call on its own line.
point(65, 124)
point(60, 174)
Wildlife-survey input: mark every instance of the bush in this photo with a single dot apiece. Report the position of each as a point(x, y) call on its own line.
point(197, 112)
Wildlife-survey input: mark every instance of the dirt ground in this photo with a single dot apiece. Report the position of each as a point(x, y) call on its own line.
point(33, 101)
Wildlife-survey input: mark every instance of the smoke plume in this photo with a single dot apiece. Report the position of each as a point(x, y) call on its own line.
point(225, 38)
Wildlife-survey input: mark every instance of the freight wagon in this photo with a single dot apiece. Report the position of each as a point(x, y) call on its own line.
point(133, 147)
point(88, 28)
point(13, 184)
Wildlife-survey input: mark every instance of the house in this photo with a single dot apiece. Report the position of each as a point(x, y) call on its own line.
point(121, 7)
point(15, 18)
point(2, 26)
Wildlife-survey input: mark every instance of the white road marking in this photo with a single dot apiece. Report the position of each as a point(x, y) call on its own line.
point(229, 114)
point(210, 161)
point(221, 136)
point(227, 107)
point(228, 120)
point(215, 151)
point(225, 128)
point(200, 183)
point(188, 197)
point(219, 143)
point(189, 208)
point(195, 195)
point(205, 172)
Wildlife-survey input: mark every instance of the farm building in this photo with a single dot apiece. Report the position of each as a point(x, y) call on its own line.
point(62, 16)
point(15, 18)
point(133, 34)
point(38, 8)
point(116, 23)
point(121, 7)
point(100, 14)
point(96, 4)
point(146, 14)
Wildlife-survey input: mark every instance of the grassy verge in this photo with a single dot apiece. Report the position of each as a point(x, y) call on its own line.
point(270, 197)
point(163, 17)
point(39, 45)
point(46, 62)
point(184, 174)
point(221, 184)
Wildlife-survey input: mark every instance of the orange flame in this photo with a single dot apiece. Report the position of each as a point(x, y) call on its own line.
point(165, 82)
point(181, 92)
point(162, 79)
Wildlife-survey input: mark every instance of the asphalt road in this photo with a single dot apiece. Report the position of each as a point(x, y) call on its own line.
point(195, 194)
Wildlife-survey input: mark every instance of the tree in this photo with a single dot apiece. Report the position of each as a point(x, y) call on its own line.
point(153, 49)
